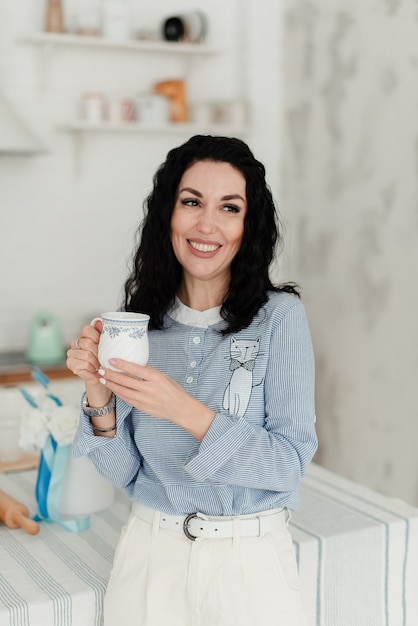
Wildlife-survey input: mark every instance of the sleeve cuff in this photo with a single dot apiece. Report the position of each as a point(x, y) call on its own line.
point(225, 436)
point(86, 441)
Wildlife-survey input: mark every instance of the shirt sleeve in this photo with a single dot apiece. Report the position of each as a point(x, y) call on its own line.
point(275, 455)
point(117, 458)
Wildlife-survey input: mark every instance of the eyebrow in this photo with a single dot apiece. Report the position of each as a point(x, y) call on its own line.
point(232, 196)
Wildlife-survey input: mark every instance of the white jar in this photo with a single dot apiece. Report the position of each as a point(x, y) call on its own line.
point(92, 107)
point(152, 109)
point(202, 113)
point(115, 20)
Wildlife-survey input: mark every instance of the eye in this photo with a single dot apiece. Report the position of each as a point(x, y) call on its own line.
point(189, 202)
point(231, 208)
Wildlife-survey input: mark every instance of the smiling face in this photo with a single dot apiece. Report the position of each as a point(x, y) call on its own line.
point(207, 224)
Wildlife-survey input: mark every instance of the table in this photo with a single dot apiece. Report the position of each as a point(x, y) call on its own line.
point(55, 578)
point(357, 553)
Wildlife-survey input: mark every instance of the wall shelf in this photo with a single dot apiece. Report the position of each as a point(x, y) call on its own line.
point(48, 40)
point(136, 127)
point(81, 129)
point(187, 52)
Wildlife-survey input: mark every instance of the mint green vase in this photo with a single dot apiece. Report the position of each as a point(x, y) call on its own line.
point(45, 343)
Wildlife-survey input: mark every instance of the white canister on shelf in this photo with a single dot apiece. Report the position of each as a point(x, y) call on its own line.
point(115, 20)
point(201, 113)
point(92, 107)
point(152, 109)
point(121, 110)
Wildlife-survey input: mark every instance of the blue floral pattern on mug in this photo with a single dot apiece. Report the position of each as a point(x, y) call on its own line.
point(137, 333)
point(115, 331)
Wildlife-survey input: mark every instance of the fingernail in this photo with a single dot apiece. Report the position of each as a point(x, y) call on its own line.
point(101, 371)
point(102, 380)
point(112, 361)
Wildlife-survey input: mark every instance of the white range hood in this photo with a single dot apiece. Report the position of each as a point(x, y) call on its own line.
point(16, 138)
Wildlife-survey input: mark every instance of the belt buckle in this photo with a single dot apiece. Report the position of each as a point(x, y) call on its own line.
point(186, 526)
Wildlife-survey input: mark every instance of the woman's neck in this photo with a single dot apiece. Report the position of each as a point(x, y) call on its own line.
point(201, 295)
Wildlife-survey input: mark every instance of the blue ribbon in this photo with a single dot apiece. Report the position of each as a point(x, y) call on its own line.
point(52, 465)
point(46, 462)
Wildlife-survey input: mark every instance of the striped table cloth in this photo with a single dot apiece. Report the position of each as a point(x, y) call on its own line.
point(357, 553)
point(55, 578)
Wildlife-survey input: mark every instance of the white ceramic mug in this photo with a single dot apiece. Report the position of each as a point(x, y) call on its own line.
point(123, 336)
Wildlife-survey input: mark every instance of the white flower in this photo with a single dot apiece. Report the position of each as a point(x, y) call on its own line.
point(63, 423)
point(33, 429)
point(49, 419)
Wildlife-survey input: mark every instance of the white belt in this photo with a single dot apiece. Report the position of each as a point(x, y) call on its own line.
point(201, 526)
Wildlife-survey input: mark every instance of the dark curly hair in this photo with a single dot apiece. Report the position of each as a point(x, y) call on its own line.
point(156, 274)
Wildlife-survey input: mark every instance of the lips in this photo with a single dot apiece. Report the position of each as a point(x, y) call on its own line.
point(203, 247)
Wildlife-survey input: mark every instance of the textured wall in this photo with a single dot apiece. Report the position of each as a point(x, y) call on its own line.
point(350, 196)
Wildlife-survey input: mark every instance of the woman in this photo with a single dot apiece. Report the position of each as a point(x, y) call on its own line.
point(212, 438)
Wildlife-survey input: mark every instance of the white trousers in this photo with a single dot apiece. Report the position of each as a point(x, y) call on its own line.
point(161, 578)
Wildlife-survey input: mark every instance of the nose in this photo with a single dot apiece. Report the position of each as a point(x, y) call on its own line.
point(206, 223)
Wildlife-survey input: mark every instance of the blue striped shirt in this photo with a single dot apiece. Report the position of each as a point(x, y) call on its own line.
point(260, 384)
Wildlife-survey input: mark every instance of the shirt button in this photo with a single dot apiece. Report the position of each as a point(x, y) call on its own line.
point(189, 379)
point(193, 364)
point(196, 340)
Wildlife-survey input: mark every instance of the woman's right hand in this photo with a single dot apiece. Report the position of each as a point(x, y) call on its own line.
point(83, 362)
point(82, 356)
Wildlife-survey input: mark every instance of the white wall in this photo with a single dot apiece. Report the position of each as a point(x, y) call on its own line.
point(65, 237)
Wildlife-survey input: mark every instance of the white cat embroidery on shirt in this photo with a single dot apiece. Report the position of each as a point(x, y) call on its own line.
point(243, 353)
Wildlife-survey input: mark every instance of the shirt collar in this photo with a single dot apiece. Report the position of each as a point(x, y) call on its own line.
point(190, 317)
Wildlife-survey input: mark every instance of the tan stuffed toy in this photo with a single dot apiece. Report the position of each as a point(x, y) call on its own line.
point(175, 90)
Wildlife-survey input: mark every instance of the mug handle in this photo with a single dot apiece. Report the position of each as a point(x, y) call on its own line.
point(94, 320)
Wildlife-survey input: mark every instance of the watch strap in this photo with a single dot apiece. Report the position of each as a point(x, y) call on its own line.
point(98, 411)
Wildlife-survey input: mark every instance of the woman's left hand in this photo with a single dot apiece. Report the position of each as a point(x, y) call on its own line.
point(156, 394)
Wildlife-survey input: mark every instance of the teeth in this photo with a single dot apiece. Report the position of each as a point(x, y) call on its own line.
point(203, 247)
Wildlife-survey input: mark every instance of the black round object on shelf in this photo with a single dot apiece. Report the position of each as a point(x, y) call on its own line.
point(173, 29)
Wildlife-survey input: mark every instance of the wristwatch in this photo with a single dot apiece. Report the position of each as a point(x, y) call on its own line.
point(100, 411)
